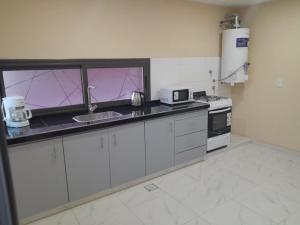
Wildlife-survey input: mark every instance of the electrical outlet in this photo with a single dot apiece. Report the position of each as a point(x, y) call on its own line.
point(279, 83)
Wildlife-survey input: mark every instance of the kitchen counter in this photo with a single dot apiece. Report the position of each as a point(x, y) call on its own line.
point(57, 125)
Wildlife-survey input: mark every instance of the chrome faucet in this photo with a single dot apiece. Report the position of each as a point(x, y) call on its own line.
point(91, 107)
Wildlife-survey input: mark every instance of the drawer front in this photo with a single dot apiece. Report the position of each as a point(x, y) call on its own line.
point(190, 155)
point(188, 115)
point(197, 122)
point(190, 141)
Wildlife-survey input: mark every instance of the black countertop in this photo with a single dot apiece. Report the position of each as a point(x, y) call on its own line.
point(58, 125)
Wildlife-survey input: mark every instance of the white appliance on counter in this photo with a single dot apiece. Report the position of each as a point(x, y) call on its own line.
point(176, 95)
point(14, 111)
point(219, 119)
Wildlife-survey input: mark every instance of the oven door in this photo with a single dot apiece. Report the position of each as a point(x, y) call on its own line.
point(219, 122)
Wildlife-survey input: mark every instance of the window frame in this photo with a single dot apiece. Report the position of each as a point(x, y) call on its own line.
point(83, 65)
point(121, 64)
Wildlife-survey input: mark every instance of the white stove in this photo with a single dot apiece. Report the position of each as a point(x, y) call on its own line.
point(219, 119)
point(216, 102)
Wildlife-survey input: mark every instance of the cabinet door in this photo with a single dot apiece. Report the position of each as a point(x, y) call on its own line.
point(127, 153)
point(39, 177)
point(159, 139)
point(87, 164)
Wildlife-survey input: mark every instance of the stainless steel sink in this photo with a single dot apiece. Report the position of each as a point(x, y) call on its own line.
point(97, 116)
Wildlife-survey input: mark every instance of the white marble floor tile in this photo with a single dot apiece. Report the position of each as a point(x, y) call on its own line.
point(238, 140)
point(250, 152)
point(64, 218)
point(204, 171)
point(253, 172)
point(124, 217)
point(279, 149)
point(286, 185)
point(137, 195)
point(259, 162)
point(285, 162)
point(176, 184)
point(224, 160)
point(293, 175)
point(202, 199)
point(270, 203)
point(197, 221)
point(231, 185)
point(164, 210)
point(292, 220)
point(99, 211)
point(232, 213)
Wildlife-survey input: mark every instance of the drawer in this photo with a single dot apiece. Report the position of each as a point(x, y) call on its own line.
point(197, 122)
point(190, 155)
point(196, 113)
point(190, 141)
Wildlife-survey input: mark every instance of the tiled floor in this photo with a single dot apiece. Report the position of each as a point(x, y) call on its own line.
point(249, 184)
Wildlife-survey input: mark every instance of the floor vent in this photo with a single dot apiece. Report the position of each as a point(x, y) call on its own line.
point(151, 187)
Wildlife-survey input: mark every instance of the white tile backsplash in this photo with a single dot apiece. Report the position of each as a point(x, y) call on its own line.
point(191, 72)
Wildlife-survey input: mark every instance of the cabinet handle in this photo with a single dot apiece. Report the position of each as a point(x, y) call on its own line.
point(54, 153)
point(115, 139)
point(102, 145)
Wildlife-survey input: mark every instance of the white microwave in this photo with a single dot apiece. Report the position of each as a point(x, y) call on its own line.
point(173, 96)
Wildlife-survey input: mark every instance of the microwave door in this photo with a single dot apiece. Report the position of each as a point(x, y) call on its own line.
point(181, 95)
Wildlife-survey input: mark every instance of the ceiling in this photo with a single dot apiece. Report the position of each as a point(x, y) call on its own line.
point(232, 3)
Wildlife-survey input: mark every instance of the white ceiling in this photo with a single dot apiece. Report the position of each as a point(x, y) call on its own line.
point(232, 3)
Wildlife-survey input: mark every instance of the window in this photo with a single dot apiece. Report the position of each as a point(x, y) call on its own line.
point(113, 84)
point(45, 88)
point(57, 86)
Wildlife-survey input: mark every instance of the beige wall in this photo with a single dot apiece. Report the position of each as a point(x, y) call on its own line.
point(108, 28)
point(261, 110)
point(171, 28)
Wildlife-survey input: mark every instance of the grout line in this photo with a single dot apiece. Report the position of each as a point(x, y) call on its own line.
point(143, 202)
point(168, 195)
point(75, 216)
point(130, 210)
point(183, 205)
point(255, 212)
point(199, 217)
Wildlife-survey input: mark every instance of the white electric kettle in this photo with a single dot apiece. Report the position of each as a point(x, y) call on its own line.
point(14, 112)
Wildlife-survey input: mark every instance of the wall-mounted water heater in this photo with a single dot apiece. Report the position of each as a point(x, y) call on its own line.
point(234, 61)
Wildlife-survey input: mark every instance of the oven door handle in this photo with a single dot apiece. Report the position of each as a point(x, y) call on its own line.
point(219, 111)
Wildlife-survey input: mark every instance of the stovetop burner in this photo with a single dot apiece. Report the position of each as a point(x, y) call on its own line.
point(201, 96)
point(209, 98)
point(215, 102)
